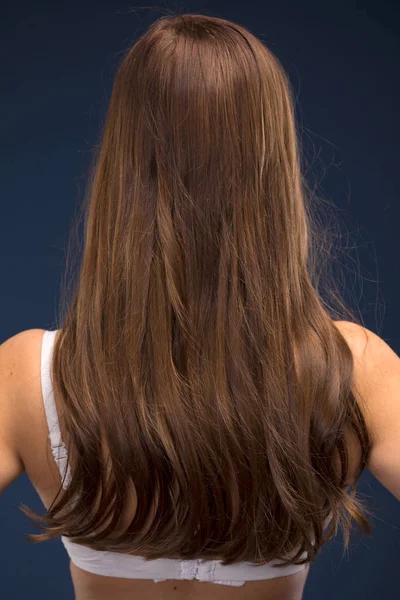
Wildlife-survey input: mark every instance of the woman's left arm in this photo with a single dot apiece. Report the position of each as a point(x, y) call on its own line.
point(11, 354)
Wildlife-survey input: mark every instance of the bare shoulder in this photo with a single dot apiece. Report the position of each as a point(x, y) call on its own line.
point(19, 364)
point(21, 342)
point(20, 357)
point(377, 390)
point(376, 372)
point(374, 359)
point(355, 335)
point(17, 355)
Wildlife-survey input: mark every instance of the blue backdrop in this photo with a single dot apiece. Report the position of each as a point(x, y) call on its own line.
point(59, 60)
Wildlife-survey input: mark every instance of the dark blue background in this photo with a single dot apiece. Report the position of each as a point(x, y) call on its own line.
point(59, 60)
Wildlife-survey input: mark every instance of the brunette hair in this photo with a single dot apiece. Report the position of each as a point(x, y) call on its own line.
point(198, 361)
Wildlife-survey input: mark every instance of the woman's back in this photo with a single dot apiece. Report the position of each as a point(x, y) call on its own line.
point(42, 470)
point(44, 474)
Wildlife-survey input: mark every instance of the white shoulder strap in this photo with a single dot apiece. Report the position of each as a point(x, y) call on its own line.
point(57, 445)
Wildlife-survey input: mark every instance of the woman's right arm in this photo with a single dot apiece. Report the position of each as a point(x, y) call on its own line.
point(377, 390)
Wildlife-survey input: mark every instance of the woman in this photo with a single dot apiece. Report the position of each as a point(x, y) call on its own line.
point(195, 423)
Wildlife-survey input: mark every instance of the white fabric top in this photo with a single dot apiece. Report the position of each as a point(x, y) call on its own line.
point(113, 564)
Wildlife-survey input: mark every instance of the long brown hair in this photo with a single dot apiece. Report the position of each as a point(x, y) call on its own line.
point(197, 358)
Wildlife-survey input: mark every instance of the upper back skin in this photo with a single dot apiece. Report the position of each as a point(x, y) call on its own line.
point(42, 471)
